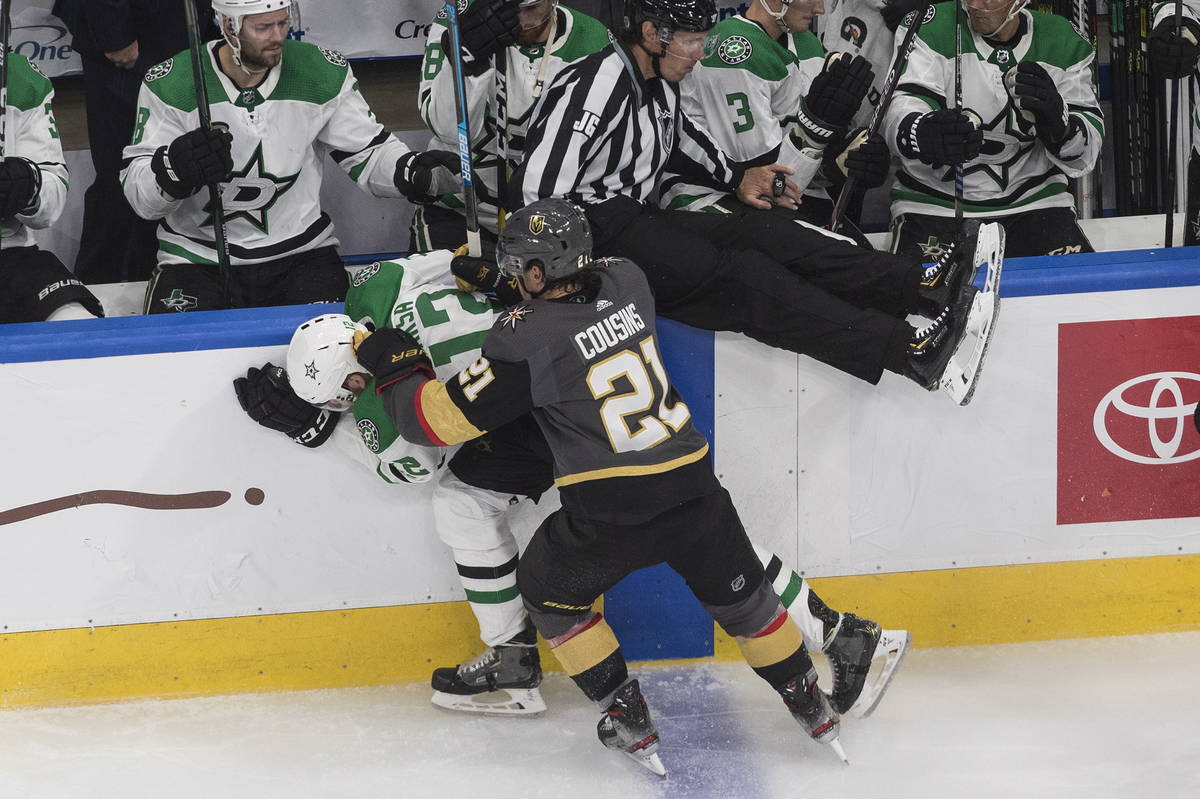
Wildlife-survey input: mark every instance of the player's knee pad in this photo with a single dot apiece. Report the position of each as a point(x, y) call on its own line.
point(470, 518)
point(750, 615)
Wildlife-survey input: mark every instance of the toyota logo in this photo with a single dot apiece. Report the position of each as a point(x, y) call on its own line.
point(1165, 405)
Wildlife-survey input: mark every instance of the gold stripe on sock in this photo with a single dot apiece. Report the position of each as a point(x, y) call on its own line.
point(580, 652)
point(773, 647)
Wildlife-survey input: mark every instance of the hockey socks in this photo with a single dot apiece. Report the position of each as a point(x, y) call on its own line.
point(590, 654)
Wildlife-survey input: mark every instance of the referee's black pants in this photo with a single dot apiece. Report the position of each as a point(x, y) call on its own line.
point(765, 274)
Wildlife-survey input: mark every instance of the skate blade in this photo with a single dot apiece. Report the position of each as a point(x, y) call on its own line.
point(892, 647)
point(836, 746)
point(961, 378)
point(504, 702)
point(650, 762)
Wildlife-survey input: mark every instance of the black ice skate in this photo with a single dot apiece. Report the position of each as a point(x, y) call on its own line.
point(948, 353)
point(810, 706)
point(503, 681)
point(627, 726)
point(863, 658)
point(943, 279)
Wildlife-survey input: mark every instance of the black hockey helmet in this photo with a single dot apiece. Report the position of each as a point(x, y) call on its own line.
point(673, 15)
point(552, 233)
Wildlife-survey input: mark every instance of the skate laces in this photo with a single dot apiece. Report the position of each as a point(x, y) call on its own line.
point(928, 337)
point(936, 271)
point(480, 663)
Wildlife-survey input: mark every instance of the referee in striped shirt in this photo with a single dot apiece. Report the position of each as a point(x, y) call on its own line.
point(608, 126)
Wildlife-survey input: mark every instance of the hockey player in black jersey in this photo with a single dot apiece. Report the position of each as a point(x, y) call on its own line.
point(634, 475)
point(610, 125)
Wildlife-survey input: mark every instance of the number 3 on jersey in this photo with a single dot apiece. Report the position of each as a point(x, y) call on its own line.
point(639, 419)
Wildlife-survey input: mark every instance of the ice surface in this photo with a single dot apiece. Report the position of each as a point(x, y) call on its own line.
point(1109, 717)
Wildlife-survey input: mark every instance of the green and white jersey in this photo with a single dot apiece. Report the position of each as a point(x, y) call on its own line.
point(1015, 171)
point(418, 295)
point(309, 105)
point(30, 133)
point(500, 102)
point(856, 27)
point(746, 95)
point(1190, 10)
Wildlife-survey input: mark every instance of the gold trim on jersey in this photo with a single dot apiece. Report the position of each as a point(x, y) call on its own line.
point(441, 417)
point(632, 471)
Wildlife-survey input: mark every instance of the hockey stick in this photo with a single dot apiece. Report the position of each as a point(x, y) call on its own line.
point(5, 33)
point(885, 100)
point(958, 168)
point(196, 48)
point(1088, 188)
point(470, 202)
point(1173, 137)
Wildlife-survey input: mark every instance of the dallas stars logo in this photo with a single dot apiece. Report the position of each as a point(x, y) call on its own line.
point(178, 301)
point(517, 314)
point(932, 249)
point(250, 192)
point(311, 371)
point(735, 50)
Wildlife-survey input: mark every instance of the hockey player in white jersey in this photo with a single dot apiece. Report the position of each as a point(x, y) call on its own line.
point(1175, 57)
point(767, 94)
point(1030, 120)
point(34, 285)
point(512, 49)
point(484, 479)
point(278, 106)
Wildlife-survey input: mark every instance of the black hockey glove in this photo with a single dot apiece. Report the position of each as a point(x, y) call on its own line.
point(866, 159)
point(482, 274)
point(1035, 94)
point(1174, 56)
point(268, 398)
point(422, 177)
point(194, 160)
point(894, 11)
point(20, 185)
point(484, 28)
point(943, 137)
point(837, 91)
point(392, 355)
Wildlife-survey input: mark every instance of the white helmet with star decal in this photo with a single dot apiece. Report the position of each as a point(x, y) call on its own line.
point(320, 357)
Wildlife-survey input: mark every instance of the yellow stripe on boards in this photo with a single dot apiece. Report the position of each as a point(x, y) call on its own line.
point(324, 649)
point(1010, 604)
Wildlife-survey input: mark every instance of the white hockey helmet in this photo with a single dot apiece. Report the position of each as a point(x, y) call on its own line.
point(237, 10)
point(320, 357)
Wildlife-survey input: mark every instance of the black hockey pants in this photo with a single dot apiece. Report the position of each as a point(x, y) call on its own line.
point(1049, 231)
point(763, 273)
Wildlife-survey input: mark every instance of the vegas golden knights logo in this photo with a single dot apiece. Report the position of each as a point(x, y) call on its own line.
point(537, 224)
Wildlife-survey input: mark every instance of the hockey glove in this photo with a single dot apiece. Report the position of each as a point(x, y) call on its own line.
point(484, 28)
point(391, 355)
point(836, 93)
point(1035, 94)
point(268, 398)
point(943, 137)
point(865, 159)
point(482, 274)
point(422, 177)
point(1174, 56)
point(894, 11)
point(194, 160)
point(20, 185)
